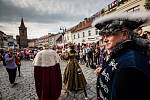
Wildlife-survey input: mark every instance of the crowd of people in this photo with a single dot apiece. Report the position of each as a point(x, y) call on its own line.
point(89, 54)
point(121, 63)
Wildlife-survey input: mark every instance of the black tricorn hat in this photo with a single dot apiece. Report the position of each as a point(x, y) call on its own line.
point(113, 23)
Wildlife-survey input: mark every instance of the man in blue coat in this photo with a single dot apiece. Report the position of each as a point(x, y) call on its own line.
point(126, 74)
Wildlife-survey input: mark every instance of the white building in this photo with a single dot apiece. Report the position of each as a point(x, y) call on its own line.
point(88, 35)
point(82, 33)
point(11, 42)
point(126, 6)
point(68, 36)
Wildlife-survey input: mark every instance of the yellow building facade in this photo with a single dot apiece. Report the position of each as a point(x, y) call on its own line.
point(126, 6)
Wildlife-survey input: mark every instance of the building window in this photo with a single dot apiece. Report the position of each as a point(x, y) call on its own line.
point(89, 32)
point(74, 36)
point(68, 37)
point(78, 35)
point(83, 34)
point(96, 31)
point(134, 9)
point(64, 38)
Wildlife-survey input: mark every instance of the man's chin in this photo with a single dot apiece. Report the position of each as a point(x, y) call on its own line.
point(108, 47)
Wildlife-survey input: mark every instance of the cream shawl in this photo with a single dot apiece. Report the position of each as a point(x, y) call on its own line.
point(46, 58)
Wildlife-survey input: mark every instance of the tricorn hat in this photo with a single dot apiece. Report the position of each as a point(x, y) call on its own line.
point(113, 23)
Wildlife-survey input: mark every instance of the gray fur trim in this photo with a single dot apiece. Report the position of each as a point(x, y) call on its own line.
point(132, 16)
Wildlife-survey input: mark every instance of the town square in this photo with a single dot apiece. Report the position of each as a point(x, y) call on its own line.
point(74, 50)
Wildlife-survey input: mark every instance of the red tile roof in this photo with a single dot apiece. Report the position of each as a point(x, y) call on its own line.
point(82, 25)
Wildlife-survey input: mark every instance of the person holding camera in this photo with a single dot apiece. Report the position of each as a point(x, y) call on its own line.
point(11, 66)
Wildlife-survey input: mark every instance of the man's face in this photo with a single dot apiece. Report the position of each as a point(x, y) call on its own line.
point(112, 40)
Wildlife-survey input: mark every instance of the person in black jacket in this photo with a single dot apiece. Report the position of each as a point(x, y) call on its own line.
point(126, 74)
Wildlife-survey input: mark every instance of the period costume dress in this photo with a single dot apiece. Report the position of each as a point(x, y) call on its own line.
point(73, 79)
point(47, 74)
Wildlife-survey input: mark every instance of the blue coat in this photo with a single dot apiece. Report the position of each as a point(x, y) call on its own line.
point(126, 75)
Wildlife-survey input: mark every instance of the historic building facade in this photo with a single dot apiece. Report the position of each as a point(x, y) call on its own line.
point(1, 39)
point(82, 33)
point(85, 33)
point(7, 41)
point(126, 6)
point(31, 43)
point(23, 41)
point(50, 39)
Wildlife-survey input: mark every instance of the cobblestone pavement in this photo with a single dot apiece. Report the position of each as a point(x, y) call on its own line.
point(25, 89)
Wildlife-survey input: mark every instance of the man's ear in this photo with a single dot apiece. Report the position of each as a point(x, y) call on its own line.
point(125, 35)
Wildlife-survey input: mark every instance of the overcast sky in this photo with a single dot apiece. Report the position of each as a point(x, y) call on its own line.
point(45, 16)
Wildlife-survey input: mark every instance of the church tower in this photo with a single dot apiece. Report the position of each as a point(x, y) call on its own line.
point(23, 35)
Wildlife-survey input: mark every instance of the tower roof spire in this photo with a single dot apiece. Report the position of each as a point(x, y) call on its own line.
point(22, 23)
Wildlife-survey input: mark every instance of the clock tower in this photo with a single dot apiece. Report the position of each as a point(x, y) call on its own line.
point(23, 41)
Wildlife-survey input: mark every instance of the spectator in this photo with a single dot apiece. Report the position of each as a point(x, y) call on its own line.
point(84, 52)
point(89, 56)
point(81, 61)
point(18, 61)
point(11, 66)
point(96, 55)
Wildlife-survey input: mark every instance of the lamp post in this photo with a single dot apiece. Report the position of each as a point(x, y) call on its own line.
point(64, 30)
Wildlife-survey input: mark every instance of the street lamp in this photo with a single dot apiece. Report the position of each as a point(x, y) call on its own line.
point(64, 30)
